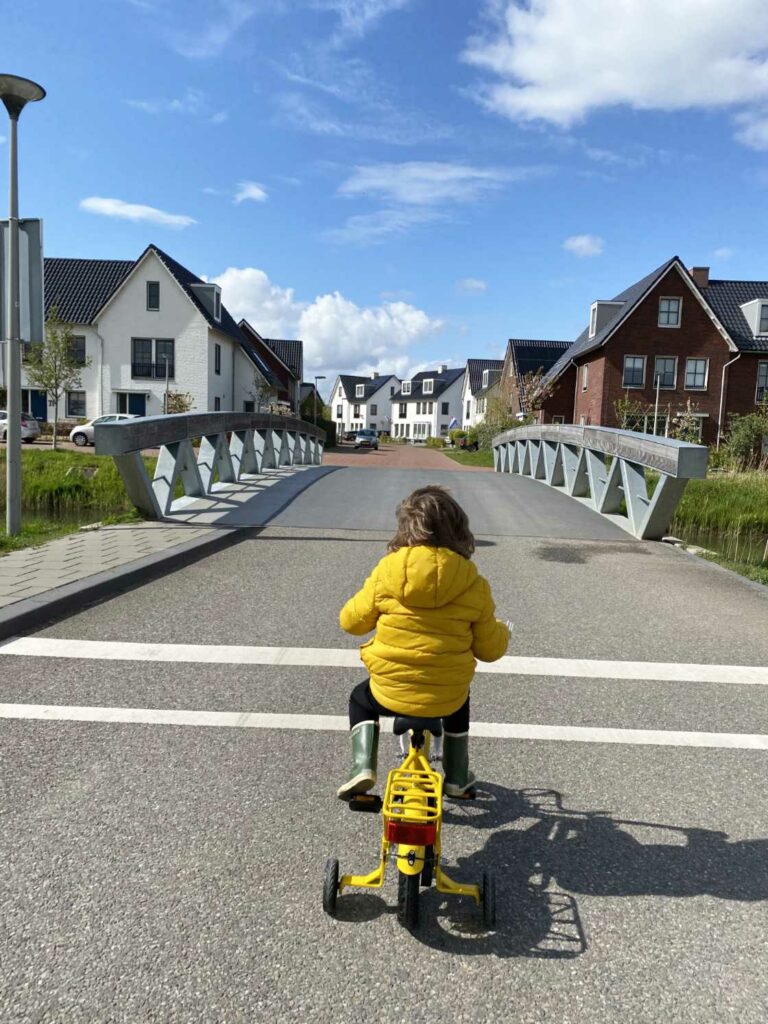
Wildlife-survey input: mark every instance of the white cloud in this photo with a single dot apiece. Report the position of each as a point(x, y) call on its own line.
point(208, 40)
point(372, 228)
point(558, 61)
point(135, 212)
point(357, 17)
point(584, 245)
point(429, 183)
point(193, 103)
point(250, 190)
point(752, 129)
point(338, 334)
point(723, 253)
point(471, 285)
point(385, 124)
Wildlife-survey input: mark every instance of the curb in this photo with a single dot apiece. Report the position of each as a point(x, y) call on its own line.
point(33, 613)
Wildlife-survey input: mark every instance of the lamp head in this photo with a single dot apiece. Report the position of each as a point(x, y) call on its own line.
point(16, 92)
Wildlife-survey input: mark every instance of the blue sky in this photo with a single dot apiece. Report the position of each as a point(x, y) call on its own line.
point(400, 181)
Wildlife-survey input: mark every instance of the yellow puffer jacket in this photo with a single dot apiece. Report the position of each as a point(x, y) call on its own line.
point(433, 614)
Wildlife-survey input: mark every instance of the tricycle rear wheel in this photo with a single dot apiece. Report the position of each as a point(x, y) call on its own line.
point(488, 893)
point(330, 886)
point(407, 899)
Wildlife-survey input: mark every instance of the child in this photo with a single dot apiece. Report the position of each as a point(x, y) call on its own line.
point(433, 615)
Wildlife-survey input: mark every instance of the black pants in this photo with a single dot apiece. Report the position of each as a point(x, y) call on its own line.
point(363, 707)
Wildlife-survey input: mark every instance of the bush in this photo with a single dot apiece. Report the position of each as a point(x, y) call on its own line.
point(744, 444)
point(435, 442)
point(329, 427)
point(456, 433)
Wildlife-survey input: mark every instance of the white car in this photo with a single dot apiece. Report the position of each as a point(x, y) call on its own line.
point(30, 428)
point(83, 434)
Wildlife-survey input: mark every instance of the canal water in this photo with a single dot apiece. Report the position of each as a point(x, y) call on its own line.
point(735, 545)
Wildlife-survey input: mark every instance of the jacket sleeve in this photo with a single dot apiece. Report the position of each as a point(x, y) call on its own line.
point(359, 614)
point(490, 637)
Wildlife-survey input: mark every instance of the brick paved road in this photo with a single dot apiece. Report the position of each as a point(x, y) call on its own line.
point(396, 456)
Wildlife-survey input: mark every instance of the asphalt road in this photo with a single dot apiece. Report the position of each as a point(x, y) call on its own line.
point(173, 873)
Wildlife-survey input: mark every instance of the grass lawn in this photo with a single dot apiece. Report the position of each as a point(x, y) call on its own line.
point(479, 458)
point(62, 491)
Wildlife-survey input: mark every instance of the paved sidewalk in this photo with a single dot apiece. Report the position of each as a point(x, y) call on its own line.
point(33, 571)
point(396, 456)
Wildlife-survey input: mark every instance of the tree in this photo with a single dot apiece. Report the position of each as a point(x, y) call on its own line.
point(261, 392)
point(178, 401)
point(535, 389)
point(630, 413)
point(686, 425)
point(746, 438)
point(53, 366)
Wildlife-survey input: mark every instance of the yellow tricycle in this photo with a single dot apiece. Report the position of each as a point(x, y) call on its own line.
point(412, 812)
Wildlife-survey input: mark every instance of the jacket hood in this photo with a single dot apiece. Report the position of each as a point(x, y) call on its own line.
point(426, 577)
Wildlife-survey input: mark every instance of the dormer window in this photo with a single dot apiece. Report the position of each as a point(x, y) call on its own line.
point(593, 320)
point(669, 312)
point(359, 390)
point(763, 325)
point(406, 388)
point(428, 386)
point(485, 378)
point(217, 305)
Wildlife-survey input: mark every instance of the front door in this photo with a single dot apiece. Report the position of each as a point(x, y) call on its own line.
point(137, 405)
point(38, 405)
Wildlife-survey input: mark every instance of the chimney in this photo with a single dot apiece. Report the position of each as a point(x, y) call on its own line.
point(701, 276)
point(375, 375)
point(442, 367)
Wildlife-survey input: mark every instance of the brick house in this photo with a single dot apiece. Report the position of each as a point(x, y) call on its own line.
point(528, 355)
point(285, 359)
point(700, 340)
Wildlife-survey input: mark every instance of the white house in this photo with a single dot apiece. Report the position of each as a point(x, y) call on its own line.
point(478, 377)
point(359, 402)
point(426, 405)
point(147, 326)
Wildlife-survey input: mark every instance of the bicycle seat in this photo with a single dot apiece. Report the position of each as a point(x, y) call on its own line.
point(404, 723)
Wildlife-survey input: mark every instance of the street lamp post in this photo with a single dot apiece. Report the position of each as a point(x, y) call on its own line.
point(656, 406)
point(316, 380)
point(15, 93)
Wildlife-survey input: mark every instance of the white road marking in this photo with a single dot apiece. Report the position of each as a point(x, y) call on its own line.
point(346, 657)
point(338, 723)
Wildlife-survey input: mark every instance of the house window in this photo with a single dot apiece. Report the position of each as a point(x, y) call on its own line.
point(428, 386)
point(339, 412)
point(391, 390)
point(469, 410)
point(356, 412)
point(665, 372)
point(763, 327)
point(217, 358)
point(593, 320)
point(75, 404)
point(443, 428)
point(558, 419)
point(634, 372)
point(249, 406)
point(696, 374)
point(406, 388)
point(164, 353)
point(143, 366)
point(374, 411)
point(444, 409)
point(360, 391)
point(402, 411)
point(153, 295)
point(431, 406)
point(761, 395)
point(217, 305)
point(584, 376)
point(77, 349)
point(217, 404)
point(582, 420)
point(669, 312)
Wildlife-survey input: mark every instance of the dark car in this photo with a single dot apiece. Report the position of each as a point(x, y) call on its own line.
point(349, 435)
point(367, 439)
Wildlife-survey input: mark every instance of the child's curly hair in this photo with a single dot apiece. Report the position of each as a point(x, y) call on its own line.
point(431, 516)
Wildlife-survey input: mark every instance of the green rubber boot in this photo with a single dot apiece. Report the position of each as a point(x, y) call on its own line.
point(458, 777)
point(365, 749)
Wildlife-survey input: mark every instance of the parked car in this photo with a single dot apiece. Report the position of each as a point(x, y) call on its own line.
point(367, 438)
point(349, 435)
point(83, 434)
point(30, 428)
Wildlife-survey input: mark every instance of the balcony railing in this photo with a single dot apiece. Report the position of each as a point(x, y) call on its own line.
point(152, 371)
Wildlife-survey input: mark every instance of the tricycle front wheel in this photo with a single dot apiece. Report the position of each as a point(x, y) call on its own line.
point(330, 886)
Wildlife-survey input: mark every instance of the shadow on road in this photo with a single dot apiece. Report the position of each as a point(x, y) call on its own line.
point(543, 853)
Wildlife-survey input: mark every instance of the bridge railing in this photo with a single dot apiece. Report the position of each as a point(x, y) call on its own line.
point(232, 446)
point(605, 469)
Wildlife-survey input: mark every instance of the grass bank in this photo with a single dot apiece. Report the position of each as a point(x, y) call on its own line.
point(62, 491)
point(478, 458)
point(725, 501)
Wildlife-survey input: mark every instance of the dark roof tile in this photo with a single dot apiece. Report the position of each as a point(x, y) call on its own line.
point(475, 369)
point(79, 288)
point(442, 382)
point(725, 299)
point(288, 351)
